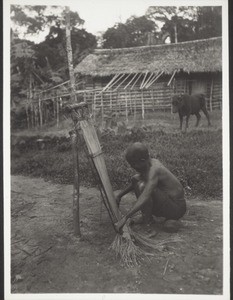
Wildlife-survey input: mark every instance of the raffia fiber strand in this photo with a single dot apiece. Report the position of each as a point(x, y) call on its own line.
point(133, 247)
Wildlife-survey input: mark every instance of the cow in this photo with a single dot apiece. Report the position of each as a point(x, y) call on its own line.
point(187, 105)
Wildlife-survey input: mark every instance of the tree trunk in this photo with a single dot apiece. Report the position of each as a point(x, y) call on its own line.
point(175, 31)
point(70, 55)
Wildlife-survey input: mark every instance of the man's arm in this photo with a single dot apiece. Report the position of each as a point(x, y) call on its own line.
point(145, 195)
point(128, 189)
point(150, 186)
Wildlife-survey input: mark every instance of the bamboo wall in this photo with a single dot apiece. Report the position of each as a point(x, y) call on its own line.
point(157, 97)
point(130, 101)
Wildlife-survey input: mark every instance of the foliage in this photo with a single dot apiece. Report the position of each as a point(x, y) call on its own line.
point(38, 17)
point(195, 158)
point(209, 22)
point(185, 23)
point(38, 66)
point(179, 23)
point(133, 33)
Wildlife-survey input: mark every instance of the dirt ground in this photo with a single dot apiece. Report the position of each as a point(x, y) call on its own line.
point(47, 258)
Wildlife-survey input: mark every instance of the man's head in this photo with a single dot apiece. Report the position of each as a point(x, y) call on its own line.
point(137, 155)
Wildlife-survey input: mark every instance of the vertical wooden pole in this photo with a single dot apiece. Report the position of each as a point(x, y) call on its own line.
point(94, 105)
point(36, 115)
point(111, 101)
point(143, 107)
point(32, 114)
point(76, 220)
point(130, 99)
point(27, 114)
point(153, 99)
point(40, 113)
point(54, 107)
point(126, 109)
point(57, 100)
point(135, 110)
point(102, 109)
point(30, 99)
point(211, 94)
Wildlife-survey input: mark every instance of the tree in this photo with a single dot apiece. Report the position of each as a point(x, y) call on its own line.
point(22, 69)
point(133, 33)
point(178, 21)
point(139, 28)
point(33, 19)
point(43, 64)
point(185, 23)
point(209, 22)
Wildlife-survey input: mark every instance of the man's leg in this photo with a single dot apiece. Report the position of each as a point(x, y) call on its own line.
point(171, 210)
point(146, 210)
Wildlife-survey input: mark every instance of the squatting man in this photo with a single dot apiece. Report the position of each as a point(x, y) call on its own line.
point(159, 193)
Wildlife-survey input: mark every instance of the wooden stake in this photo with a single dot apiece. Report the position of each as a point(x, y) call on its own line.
point(147, 85)
point(40, 113)
point(27, 114)
point(130, 81)
point(57, 100)
point(143, 80)
point(135, 110)
point(122, 82)
point(102, 110)
point(171, 77)
point(126, 110)
point(36, 115)
point(76, 185)
point(110, 82)
point(117, 80)
point(144, 85)
point(110, 104)
point(157, 77)
point(94, 106)
point(77, 231)
point(211, 95)
point(136, 81)
point(32, 115)
point(143, 108)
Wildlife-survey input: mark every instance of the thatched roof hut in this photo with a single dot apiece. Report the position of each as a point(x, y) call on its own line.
point(145, 78)
point(192, 56)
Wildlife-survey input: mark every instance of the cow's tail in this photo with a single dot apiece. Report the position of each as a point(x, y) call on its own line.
point(202, 100)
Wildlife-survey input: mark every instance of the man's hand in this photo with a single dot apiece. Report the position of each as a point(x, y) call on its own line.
point(118, 200)
point(120, 224)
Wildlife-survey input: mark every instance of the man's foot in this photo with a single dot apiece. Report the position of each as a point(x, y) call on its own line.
point(159, 220)
point(172, 225)
point(143, 221)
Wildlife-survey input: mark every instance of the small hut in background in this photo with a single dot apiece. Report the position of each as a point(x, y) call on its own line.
point(144, 78)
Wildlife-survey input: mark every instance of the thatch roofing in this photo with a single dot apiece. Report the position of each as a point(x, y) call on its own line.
point(192, 56)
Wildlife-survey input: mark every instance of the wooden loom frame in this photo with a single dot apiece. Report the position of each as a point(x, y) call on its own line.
point(84, 125)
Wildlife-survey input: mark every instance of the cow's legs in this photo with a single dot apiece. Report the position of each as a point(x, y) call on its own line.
point(206, 114)
point(198, 118)
point(181, 121)
point(187, 122)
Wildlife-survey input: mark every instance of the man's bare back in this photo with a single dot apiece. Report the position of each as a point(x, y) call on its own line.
point(167, 182)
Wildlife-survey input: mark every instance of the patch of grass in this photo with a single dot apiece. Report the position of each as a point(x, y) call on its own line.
point(195, 158)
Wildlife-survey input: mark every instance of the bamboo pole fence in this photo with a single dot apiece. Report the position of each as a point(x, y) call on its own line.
point(211, 95)
point(156, 95)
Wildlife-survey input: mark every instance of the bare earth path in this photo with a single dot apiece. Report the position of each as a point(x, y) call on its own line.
point(46, 257)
